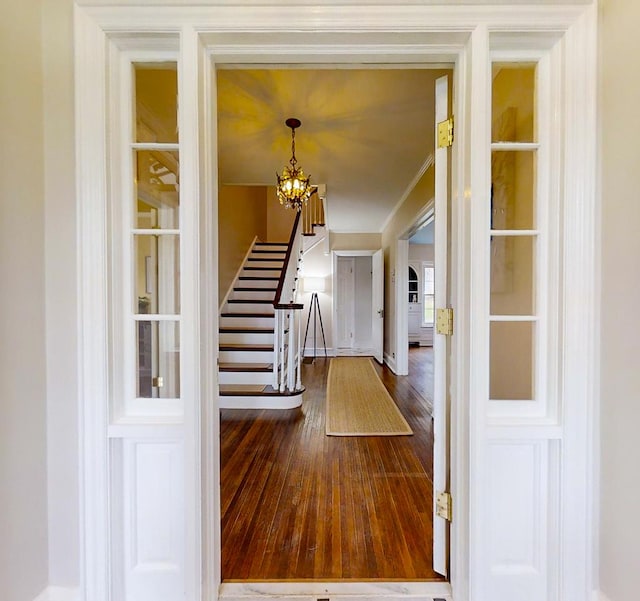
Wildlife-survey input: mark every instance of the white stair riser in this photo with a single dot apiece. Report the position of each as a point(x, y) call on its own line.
point(263, 308)
point(245, 338)
point(267, 273)
point(247, 322)
point(246, 356)
point(277, 252)
point(245, 377)
point(271, 263)
point(258, 283)
point(271, 247)
point(253, 294)
point(258, 402)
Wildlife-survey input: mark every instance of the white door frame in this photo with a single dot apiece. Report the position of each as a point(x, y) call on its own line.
point(568, 435)
point(334, 285)
point(401, 366)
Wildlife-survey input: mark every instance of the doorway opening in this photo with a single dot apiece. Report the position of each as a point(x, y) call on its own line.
point(297, 504)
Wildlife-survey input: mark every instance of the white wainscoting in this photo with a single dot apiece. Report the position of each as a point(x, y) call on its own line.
point(518, 522)
point(152, 496)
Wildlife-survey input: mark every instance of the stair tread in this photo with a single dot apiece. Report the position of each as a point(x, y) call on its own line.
point(255, 390)
point(267, 259)
point(255, 278)
point(248, 268)
point(247, 347)
point(249, 315)
point(269, 252)
point(253, 289)
point(250, 301)
point(271, 244)
point(245, 330)
point(250, 367)
point(241, 388)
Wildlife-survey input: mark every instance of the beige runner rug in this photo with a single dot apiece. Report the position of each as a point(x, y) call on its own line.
point(358, 404)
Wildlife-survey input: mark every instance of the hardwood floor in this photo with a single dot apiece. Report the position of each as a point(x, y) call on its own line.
point(297, 504)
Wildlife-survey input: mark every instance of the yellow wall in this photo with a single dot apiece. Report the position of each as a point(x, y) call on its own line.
point(24, 569)
point(279, 220)
point(620, 334)
point(242, 215)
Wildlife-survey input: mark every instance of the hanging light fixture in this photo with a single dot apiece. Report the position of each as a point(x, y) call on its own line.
point(294, 188)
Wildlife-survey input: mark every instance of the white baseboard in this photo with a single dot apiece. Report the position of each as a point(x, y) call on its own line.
point(391, 363)
point(308, 352)
point(59, 593)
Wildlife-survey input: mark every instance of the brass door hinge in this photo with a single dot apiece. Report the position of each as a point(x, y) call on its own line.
point(445, 133)
point(444, 321)
point(444, 506)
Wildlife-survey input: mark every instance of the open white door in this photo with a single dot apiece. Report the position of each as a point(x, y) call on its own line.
point(440, 341)
point(377, 289)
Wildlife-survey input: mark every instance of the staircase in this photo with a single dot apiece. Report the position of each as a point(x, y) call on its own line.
point(260, 322)
point(259, 362)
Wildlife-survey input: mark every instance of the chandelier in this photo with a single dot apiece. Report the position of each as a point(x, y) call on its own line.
point(294, 189)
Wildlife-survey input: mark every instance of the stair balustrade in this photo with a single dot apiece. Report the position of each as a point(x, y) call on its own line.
point(288, 324)
point(312, 214)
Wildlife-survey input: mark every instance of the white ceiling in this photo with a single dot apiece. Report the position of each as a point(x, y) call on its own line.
point(365, 133)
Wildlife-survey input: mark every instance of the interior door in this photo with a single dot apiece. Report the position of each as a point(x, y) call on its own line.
point(345, 302)
point(440, 341)
point(377, 294)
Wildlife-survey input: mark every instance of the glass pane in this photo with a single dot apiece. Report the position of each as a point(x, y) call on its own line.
point(513, 103)
point(157, 189)
point(513, 188)
point(413, 285)
point(156, 102)
point(429, 284)
point(157, 274)
point(429, 308)
point(512, 361)
point(158, 368)
point(513, 275)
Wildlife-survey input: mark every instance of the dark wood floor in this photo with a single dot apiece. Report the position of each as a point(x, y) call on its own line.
point(297, 504)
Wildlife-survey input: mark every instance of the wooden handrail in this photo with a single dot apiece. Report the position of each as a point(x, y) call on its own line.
point(277, 299)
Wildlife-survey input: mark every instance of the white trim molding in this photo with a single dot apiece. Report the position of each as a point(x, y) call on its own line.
point(566, 441)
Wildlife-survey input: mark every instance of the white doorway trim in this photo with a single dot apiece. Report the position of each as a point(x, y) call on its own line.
point(401, 290)
point(570, 565)
point(335, 254)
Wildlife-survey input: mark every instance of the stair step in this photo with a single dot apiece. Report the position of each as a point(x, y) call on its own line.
point(244, 305)
point(243, 367)
point(241, 389)
point(265, 259)
point(247, 348)
point(245, 353)
point(247, 320)
point(245, 330)
point(258, 278)
point(261, 272)
point(271, 244)
point(268, 398)
point(254, 295)
point(253, 289)
point(254, 390)
point(259, 268)
point(271, 251)
point(246, 314)
point(241, 372)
